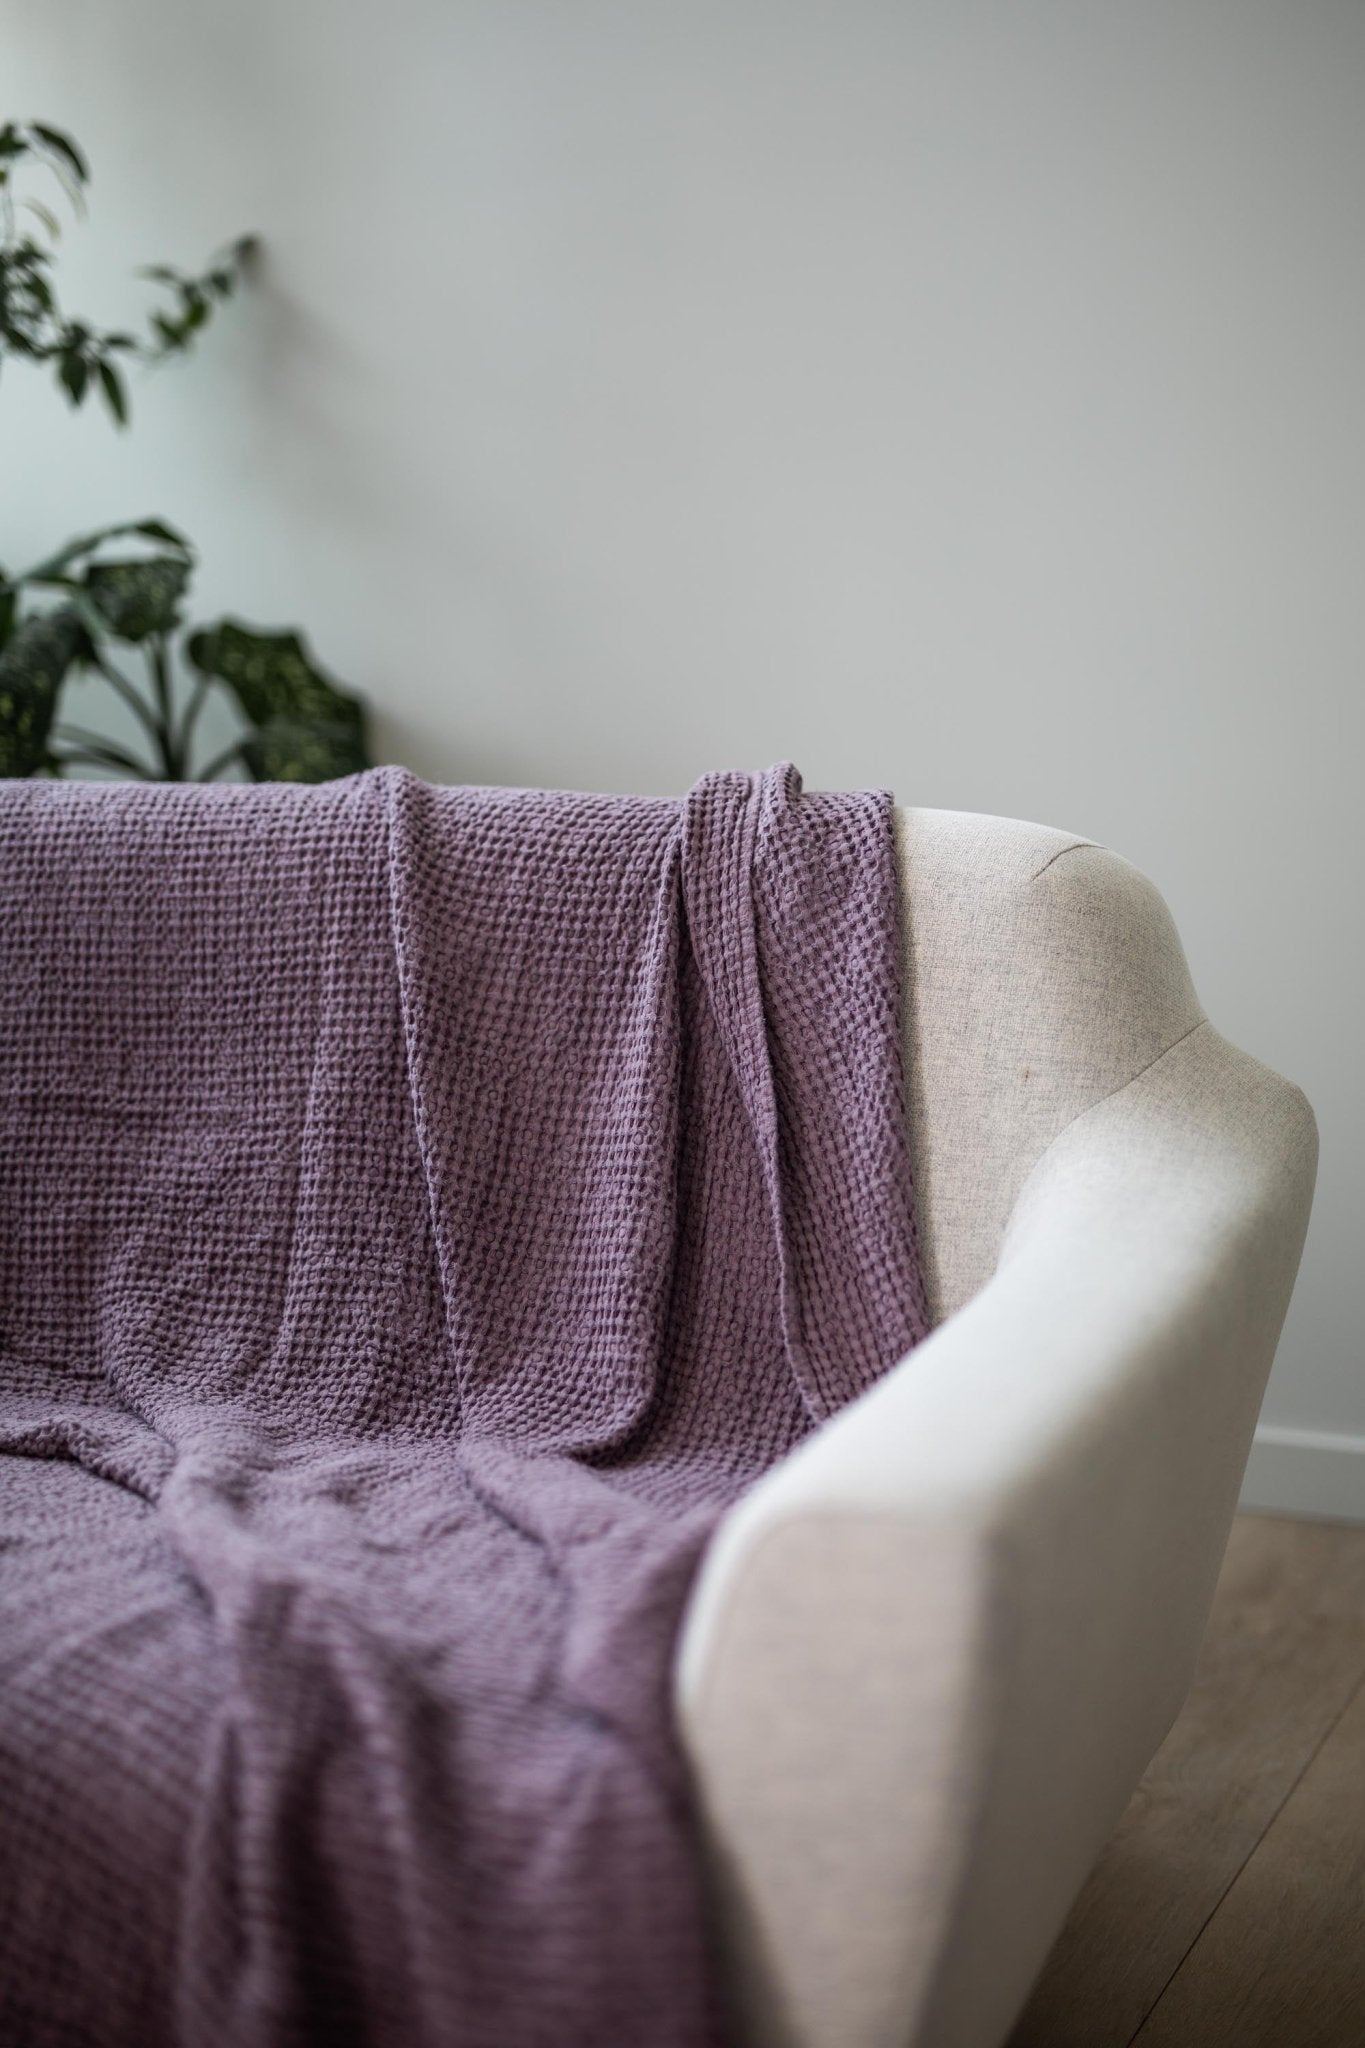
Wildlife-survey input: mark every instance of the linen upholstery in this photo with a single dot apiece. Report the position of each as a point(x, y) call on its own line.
point(1039, 972)
point(929, 1656)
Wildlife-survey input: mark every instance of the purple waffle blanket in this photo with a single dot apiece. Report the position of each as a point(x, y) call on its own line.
point(422, 1211)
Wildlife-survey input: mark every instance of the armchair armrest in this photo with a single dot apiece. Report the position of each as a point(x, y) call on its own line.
point(929, 1655)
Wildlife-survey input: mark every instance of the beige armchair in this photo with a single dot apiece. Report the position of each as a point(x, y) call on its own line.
point(929, 1656)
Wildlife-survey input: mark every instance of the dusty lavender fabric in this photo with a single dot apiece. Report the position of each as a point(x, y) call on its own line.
point(422, 1211)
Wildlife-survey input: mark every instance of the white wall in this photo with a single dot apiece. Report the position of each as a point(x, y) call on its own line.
point(962, 395)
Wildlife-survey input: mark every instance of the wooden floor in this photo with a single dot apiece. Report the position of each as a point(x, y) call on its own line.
point(1228, 1910)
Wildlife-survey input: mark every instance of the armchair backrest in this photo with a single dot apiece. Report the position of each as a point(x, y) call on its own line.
point(1041, 973)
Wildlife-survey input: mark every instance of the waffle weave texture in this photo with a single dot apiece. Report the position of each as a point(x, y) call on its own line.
point(422, 1212)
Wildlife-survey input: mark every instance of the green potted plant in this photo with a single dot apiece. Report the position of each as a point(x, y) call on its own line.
point(82, 609)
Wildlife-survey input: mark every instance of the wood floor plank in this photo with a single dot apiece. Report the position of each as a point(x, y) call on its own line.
point(1284, 1652)
point(1282, 1962)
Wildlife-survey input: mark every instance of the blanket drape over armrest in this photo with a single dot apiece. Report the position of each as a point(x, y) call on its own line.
point(424, 1211)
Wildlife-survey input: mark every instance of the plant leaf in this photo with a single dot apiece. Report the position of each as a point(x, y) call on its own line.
point(48, 219)
point(114, 393)
point(307, 728)
point(154, 529)
point(137, 598)
point(64, 147)
point(73, 372)
point(33, 665)
point(55, 567)
point(304, 750)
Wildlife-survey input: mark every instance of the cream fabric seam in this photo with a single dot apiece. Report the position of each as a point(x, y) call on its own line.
point(1112, 1094)
point(1076, 846)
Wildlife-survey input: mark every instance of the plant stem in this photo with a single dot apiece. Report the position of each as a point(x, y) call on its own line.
point(161, 684)
point(221, 761)
point(192, 710)
point(82, 737)
point(115, 755)
point(131, 697)
point(104, 757)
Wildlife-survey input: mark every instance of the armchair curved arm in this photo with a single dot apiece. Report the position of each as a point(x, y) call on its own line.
point(930, 1654)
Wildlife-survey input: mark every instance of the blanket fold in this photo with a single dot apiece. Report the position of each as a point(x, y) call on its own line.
point(426, 1210)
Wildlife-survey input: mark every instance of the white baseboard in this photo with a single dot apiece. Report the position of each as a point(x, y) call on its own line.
point(1306, 1472)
